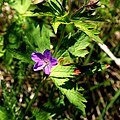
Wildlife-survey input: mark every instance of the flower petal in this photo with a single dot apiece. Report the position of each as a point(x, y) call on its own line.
point(47, 54)
point(54, 61)
point(47, 69)
point(36, 56)
point(38, 66)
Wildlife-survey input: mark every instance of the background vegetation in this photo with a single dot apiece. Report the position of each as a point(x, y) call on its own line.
point(85, 85)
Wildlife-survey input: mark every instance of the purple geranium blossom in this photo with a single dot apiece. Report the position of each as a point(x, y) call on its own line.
point(44, 61)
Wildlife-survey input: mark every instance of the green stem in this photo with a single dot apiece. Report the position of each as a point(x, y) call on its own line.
point(60, 40)
point(114, 98)
point(32, 100)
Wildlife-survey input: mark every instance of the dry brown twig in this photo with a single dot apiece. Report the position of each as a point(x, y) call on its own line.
point(109, 53)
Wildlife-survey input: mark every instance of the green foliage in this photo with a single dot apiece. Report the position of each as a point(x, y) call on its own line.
point(62, 71)
point(89, 30)
point(38, 35)
point(65, 87)
point(21, 6)
point(56, 6)
point(60, 76)
point(10, 102)
point(78, 49)
point(44, 39)
point(41, 115)
point(67, 29)
point(73, 46)
point(78, 100)
point(20, 56)
point(3, 114)
point(57, 21)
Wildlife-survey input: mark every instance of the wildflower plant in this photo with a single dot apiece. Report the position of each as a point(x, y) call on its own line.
point(26, 51)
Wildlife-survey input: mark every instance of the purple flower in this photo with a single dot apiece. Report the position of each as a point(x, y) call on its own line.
point(44, 61)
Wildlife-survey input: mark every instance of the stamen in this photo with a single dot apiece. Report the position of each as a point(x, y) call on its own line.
point(47, 62)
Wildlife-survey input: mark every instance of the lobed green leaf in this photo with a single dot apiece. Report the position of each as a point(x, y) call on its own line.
point(62, 71)
point(88, 29)
point(40, 114)
point(78, 49)
point(73, 96)
point(21, 5)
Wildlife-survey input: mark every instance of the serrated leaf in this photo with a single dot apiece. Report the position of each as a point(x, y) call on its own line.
point(55, 5)
point(78, 49)
point(59, 81)
point(79, 53)
point(21, 5)
point(40, 114)
point(58, 20)
point(44, 41)
point(73, 96)
point(62, 71)
point(76, 99)
point(24, 57)
point(87, 28)
point(39, 36)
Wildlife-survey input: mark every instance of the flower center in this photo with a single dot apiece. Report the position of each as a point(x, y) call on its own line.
point(47, 62)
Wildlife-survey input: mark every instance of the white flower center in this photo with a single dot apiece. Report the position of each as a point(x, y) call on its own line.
point(47, 62)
